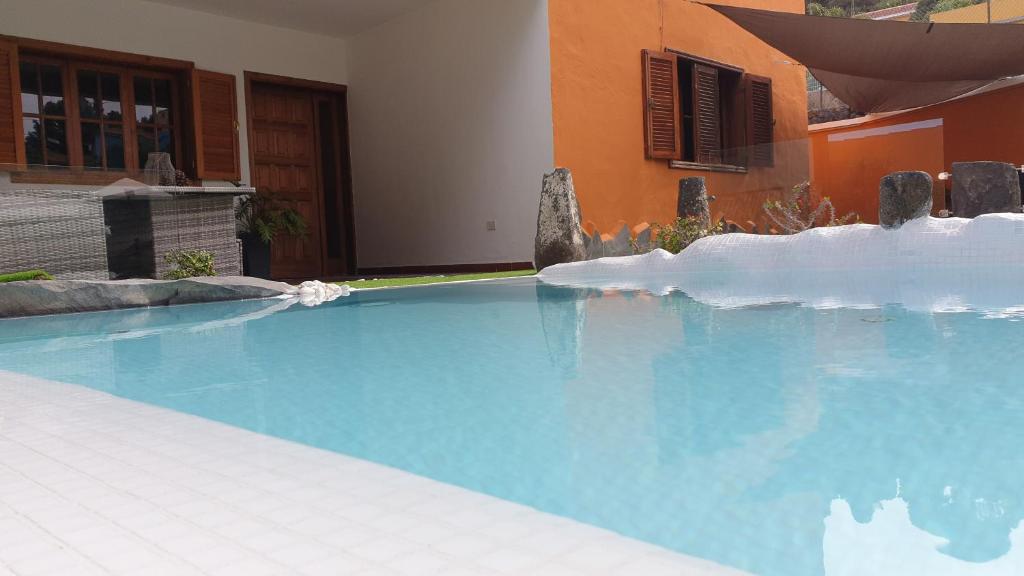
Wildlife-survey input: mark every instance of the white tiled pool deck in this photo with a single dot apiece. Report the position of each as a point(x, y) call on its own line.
point(95, 484)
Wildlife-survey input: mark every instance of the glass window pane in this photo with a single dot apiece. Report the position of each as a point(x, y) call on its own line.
point(110, 85)
point(53, 90)
point(33, 132)
point(143, 100)
point(29, 88)
point(165, 141)
point(88, 94)
point(162, 96)
point(92, 145)
point(56, 142)
point(147, 144)
point(115, 146)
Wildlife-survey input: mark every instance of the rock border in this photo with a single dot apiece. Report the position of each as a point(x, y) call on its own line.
point(41, 297)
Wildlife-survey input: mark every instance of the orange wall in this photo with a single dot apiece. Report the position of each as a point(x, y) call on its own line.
point(598, 106)
point(848, 171)
point(987, 126)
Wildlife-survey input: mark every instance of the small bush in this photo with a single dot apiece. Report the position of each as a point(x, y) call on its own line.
point(190, 264)
point(26, 275)
point(798, 213)
point(683, 232)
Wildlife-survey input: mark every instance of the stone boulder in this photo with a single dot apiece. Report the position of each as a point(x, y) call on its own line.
point(904, 196)
point(559, 232)
point(985, 188)
point(693, 200)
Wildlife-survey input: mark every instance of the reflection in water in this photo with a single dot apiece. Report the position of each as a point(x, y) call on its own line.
point(766, 414)
point(890, 544)
point(771, 439)
point(563, 314)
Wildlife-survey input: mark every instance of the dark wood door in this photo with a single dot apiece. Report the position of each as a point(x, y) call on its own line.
point(285, 165)
point(334, 171)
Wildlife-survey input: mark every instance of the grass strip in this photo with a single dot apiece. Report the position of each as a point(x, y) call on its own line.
point(26, 275)
point(400, 281)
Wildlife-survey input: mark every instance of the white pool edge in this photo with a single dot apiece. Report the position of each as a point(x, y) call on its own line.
point(91, 483)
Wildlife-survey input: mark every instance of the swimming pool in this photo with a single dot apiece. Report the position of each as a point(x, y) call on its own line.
point(777, 439)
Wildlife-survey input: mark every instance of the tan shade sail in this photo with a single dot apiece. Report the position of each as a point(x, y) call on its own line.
point(882, 66)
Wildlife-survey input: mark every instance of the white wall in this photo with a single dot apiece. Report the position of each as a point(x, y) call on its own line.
point(212, 42)
point(450, 109)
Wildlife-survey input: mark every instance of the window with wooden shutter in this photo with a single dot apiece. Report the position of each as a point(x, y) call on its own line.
point(760, 121)
point(216, 126)
point(707, 114)
point(724, 116)
point(12, 147)
point(661, 105)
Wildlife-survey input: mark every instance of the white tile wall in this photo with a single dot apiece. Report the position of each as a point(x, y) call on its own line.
point(94, 484)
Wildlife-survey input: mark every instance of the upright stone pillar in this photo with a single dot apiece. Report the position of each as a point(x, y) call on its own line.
point(559, 231)
point(693, 200)
point(621, 244)
point(644, 238)
point(985, 188)
point(904, 196)
point(593, 245)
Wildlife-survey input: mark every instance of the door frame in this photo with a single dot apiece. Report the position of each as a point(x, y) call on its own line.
point(340, 91)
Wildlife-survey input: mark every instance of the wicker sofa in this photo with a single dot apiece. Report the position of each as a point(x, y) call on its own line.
point(60, 231)
point(127, 233)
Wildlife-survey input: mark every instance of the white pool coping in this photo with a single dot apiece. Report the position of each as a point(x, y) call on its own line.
point(95, 484)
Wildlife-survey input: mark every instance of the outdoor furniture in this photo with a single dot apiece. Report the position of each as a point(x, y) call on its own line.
point(149, 223)
point(117, 232)
point(60, 231)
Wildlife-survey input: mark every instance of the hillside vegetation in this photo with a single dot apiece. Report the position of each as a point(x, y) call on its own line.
point(848, 8)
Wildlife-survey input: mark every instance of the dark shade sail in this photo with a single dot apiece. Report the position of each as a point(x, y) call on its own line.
point(883, 66)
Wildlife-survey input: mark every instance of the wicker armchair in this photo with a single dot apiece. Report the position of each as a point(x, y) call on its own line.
point(196, 222)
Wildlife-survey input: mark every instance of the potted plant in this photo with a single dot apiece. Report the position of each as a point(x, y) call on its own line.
point(262, 217)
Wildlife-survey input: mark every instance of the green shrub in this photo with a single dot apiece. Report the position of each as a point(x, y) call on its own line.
point(947, 5)
point(925, 8)
point(818, 9)
point(190, 264)
point(797, 211)
point(26, 275)
point(683, 232)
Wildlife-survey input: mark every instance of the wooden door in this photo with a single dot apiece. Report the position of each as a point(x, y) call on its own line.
point(285, 165)
point(336, 206)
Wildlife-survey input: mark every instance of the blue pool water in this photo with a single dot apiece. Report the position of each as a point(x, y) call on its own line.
point(766, 438)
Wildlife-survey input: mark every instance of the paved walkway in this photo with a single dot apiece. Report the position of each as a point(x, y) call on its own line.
point(95, 484)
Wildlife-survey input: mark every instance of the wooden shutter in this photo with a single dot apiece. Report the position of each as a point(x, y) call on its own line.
point(12, 145)
point(661, 105)
point(215, 112)
point(707, 114)
point(760, 121)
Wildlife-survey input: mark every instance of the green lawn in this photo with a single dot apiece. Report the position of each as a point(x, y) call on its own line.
point(422, 280)
point(27, 275)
